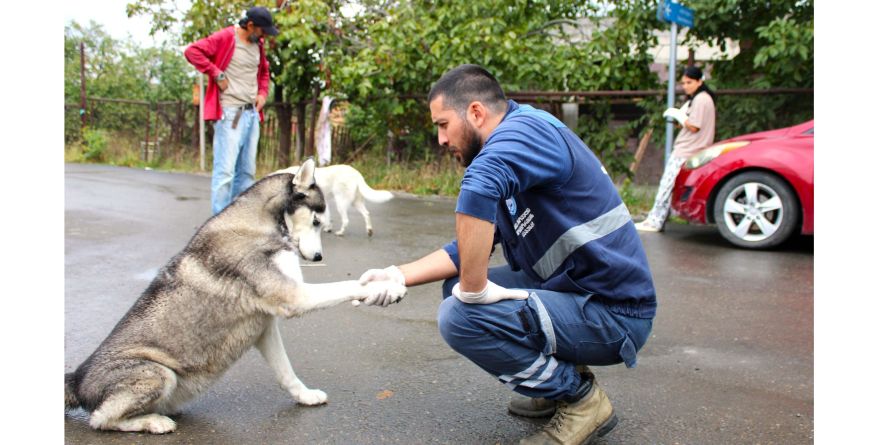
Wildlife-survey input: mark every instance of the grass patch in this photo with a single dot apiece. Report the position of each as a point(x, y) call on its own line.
point(438, 177)
point(442, 177)
point(638, 199)
point(120, 149)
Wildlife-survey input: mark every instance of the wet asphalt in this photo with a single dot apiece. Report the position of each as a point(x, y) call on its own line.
point(730, 359)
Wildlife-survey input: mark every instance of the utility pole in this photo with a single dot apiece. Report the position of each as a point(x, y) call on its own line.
point(672, 74)
point(670, 11)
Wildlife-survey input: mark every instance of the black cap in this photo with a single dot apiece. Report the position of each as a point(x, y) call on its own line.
point(261, 17)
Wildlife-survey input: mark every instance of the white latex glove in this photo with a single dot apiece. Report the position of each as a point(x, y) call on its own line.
point(490, 294)
point(383, 293)
point(388, 273)
point(677, 115)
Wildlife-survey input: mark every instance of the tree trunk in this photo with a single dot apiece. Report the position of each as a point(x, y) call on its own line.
point(310, 148)
point(300, 109)
point(284, 112)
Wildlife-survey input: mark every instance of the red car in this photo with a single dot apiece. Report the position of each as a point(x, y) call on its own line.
point(757, 188)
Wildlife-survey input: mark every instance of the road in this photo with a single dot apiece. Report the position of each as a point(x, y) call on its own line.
point(730, 359)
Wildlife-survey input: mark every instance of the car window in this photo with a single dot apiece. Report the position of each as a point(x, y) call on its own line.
point(809, 131)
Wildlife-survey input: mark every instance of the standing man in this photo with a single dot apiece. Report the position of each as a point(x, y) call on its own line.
point(577, 290)
point(234, 59)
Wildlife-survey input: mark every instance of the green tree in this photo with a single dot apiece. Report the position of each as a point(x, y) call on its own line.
point(295, 56)
point(526, 45)
point(776, 42)
point(119, 69)
point(384, 58)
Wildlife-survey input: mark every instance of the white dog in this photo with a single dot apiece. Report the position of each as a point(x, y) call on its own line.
point(346, 186)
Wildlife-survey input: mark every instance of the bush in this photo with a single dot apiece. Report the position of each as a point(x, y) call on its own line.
point(95, 142)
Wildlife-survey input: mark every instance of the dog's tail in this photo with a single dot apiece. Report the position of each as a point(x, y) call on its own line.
point(70, 395)
point(376, 196)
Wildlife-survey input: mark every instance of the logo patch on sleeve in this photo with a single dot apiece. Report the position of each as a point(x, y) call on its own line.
point(524, 223)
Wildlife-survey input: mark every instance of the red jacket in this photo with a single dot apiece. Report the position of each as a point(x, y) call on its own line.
point(211, 55)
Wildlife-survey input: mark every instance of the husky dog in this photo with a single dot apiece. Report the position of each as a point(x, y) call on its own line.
point(210, 303)
point(348, 188)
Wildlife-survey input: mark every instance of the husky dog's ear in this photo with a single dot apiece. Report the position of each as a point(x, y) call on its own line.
point(305, 176)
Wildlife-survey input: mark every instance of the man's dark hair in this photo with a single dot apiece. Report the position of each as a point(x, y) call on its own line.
point(466, 83)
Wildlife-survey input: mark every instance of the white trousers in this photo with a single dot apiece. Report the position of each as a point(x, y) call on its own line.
point(659, 213)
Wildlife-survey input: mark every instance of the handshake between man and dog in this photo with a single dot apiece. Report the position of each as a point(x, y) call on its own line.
point(216, 298)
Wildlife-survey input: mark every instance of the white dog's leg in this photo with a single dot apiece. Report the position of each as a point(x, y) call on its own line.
point(326, 221)
point(341, 203)
point(270, 344)
point(360, 205)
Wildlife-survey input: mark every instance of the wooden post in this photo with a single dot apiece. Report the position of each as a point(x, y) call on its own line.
point(202, 124)
point(82, 88)
point(641, 150)
point(147, 129)
point(180, 119)
point(284, 126)
point(389, 149)
point(157, 131)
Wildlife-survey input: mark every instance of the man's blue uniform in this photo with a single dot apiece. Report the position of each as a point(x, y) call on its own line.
point(569, 240)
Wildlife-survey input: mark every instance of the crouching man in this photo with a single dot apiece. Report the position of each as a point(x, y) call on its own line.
point(577, 290)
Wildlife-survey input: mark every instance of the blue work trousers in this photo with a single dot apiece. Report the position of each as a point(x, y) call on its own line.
point(533, 345)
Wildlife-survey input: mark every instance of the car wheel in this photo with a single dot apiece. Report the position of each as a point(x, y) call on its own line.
point(756, 210)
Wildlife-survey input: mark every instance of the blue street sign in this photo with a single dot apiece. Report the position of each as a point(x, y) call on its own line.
point(670, 11)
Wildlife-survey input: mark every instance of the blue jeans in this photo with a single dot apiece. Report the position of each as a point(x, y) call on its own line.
point(233, 156)
point(533, 345)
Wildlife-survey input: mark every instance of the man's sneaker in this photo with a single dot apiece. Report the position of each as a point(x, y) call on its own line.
point(646, 226)
point(577, 422)
point(536, 407)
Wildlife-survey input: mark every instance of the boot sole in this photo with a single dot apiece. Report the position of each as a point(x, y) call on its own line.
point(532, 414)
point(603, 429)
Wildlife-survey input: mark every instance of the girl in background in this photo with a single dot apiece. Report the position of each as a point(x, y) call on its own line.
point(697, 117)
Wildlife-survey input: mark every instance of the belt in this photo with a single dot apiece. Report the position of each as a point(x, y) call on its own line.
point(240, 112)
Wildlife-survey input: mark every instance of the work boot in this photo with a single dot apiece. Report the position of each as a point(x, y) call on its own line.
point(579, 421)
point(536, 407)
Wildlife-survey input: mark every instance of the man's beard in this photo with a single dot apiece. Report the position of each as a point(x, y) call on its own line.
point(253, 38)
point(472, 147)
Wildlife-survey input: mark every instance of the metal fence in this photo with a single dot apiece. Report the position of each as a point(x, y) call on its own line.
point(169, 131)
point(158, 131)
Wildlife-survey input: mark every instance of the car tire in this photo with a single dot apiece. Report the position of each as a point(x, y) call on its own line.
point(756, 210)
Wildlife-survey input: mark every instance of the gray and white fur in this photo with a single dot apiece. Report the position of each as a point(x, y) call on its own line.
point(215, 299)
